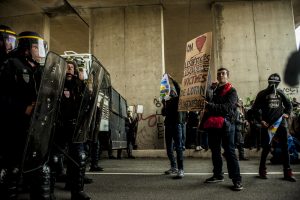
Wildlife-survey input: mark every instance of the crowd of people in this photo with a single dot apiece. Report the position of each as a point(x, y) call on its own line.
point(225, 123)
point(28, 161)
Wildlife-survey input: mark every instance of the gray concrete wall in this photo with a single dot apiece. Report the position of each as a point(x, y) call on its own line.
point(275, 40)
point(34, 22)
point(128, 42)
point(69, 33)
point(183, 22)
point(253, 40)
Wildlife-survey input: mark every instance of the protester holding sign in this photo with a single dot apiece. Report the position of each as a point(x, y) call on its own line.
point(275, 108)
point(220, 125)
point(174, 124)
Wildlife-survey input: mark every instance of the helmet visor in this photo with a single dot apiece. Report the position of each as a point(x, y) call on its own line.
point(42, 49)
point(37, 45)
point(9, 39)
point(10, 43)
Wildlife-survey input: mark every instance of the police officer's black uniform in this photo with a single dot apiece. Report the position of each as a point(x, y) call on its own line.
point(69, 108)
point(7, 43)
point(20, 78)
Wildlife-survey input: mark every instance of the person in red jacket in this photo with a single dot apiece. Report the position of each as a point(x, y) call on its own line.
point(220, 125)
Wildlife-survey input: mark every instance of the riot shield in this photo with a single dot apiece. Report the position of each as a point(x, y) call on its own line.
point(100, 118)
point(88, 102)
point(45, 113)
point(117, 120)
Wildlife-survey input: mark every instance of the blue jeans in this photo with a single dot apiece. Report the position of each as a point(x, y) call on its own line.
point(204, 139)
point(173, 133)
point(224, 137)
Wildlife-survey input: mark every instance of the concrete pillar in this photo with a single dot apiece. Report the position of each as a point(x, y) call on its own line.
point(69, 33)
point(183, 21)
point(128, 42)
point(253, 40)
point(39, 23)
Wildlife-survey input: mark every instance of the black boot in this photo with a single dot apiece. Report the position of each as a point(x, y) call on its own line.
point(241, 152)
point(263, 172)
point(80, 196)
point(87, 180)
point(57, 168)
point(119, 154)
point(96, 168)
point(129, 152)
point(77, 179)
point(288, 175)
point(95, 157)
point(10, 182)
point(40, 184)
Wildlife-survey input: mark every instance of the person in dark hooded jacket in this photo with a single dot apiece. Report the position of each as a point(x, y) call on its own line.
point(275, 107)
point(174, 124)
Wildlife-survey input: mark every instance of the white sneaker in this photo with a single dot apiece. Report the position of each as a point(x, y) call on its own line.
point(180, 173)
point(198, 148)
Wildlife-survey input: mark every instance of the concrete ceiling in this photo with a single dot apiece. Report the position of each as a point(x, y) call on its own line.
point(9, 8)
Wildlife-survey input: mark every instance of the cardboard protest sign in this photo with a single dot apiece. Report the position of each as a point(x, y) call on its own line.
point(195, 74)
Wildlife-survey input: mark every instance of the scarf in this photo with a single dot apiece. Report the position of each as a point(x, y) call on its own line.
point(226, 89)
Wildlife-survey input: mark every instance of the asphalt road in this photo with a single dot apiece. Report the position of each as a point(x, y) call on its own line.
point(143, 178)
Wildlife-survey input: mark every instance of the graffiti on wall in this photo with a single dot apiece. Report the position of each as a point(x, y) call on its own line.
point(291, 91)
point(151, 127)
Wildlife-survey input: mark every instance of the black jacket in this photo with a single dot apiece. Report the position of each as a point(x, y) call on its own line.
point(19, 85)
point(170, 109)
point(271, 106)
point(71, 100)
point(223, 105)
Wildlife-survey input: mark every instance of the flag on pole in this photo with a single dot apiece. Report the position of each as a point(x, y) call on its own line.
point(272, 129)
point(167, 88)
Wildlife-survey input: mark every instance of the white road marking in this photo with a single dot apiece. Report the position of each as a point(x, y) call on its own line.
point(186, 173)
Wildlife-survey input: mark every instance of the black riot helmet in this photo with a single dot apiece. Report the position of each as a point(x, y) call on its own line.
point(32, 45)
point(7, 39)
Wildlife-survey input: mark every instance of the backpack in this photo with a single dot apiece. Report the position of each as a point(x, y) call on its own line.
point(292, 148)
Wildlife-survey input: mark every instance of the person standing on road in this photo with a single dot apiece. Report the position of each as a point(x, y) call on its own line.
point(70, 104)
point(275, 107)
point(220, 125)
point(20, 78)
point(7, 42)
point(240, 125)
point(130, 127)
point(174, 129)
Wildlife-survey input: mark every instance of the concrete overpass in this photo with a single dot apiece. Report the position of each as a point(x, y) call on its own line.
point(138, 40)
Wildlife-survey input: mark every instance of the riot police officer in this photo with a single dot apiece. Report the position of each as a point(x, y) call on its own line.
point(7, 42)
point(69, 111)
point(20, 77)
